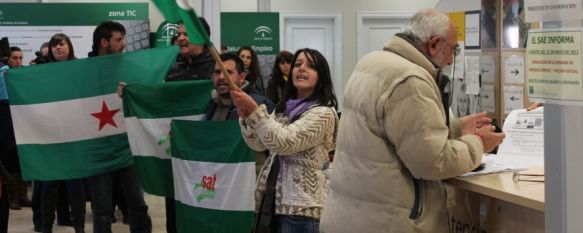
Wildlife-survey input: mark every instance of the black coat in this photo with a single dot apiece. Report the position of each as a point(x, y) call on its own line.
point(200, 68)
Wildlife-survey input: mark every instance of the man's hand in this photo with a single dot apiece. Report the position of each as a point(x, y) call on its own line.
point(120, 87)
point(244, 103)
point(471, 123)
point(490, 139)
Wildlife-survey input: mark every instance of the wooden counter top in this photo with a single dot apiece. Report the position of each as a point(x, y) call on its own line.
point(501, 186)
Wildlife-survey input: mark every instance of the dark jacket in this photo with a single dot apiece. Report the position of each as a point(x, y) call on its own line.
point(233, 115)
point(201, 67)
point(8, 153)
point(275, 89)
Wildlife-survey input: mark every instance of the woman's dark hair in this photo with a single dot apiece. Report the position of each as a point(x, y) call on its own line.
point(276, 86)
point(282, 56)
point(323, 92)
point(57, 39)
point(254, 71)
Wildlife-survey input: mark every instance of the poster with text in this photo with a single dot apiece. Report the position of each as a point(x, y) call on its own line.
point(553, 64)
point(29, 25)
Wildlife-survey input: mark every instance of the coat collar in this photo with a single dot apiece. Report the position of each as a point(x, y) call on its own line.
point(404, 46)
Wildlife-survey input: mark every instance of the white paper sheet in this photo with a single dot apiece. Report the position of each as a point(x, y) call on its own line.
point(488, 98)
point(488, 69)
point(514, 69)
point(458, 72)
point(523, 145)
point(513, 98)
point(472, 75)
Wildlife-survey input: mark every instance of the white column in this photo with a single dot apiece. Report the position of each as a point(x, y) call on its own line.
point(264, 5)
point(211, 11)
point(563, 168)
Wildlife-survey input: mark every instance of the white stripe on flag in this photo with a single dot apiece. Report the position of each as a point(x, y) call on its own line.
point(234, 184)
point(66, 121)
point(149, 137)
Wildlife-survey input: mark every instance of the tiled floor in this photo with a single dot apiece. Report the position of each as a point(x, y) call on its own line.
point(21, 220)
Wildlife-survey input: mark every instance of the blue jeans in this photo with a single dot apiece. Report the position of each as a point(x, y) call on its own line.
point(297, 224)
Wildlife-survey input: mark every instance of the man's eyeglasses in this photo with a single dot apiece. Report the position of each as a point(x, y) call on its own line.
point(455, 49)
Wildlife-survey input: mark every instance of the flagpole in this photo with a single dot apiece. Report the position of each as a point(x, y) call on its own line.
point(218, 60)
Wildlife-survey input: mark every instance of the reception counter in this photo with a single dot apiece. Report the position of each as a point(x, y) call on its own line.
point(496, 203)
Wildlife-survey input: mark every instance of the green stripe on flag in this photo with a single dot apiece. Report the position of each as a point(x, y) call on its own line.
point(148, 111)
point(155, 175)
point(209, 139)
point(185, 13)
point(212, 221)
point(214, 177)
point(89, 77)
point(170, 99)
point(63, 161)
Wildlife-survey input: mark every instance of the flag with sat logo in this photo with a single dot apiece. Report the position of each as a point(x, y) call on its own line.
point(214, 177)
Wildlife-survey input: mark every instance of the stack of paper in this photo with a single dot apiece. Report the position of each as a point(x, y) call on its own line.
point(523, 146)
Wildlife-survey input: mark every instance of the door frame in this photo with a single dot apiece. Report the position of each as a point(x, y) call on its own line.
point(364, 15)
point(336, 18)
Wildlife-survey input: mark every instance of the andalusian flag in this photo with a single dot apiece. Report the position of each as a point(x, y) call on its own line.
point(67, 118)
point(148, 110)
point(214, 177)
point(183, 10)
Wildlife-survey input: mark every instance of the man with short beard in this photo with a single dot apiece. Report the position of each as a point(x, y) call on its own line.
point(221, 107)
point(108, 38)
point(396, 141)
point(194, 61)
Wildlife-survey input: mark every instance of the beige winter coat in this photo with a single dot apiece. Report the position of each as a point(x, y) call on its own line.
point(393, 130)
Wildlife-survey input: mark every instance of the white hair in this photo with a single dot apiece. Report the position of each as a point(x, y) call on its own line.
point(427, 23)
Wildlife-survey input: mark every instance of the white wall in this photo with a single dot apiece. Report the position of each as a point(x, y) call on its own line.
point(242, 5)
point(458, 5)
point(349, 10)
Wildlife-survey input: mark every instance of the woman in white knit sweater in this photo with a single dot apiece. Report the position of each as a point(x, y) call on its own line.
point(299, 135)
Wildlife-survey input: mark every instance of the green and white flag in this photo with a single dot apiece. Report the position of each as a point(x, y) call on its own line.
point(175, 11)
point(214, 177)
point(148, 110)
point(67, 118)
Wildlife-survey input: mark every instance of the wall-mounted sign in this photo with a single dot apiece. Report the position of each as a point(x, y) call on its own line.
point(553, 64)
point(552, 10)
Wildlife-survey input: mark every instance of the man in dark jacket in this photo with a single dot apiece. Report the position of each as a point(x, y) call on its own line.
point(195, 61)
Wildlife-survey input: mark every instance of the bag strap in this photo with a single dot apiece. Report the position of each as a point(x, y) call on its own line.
point(266, 215)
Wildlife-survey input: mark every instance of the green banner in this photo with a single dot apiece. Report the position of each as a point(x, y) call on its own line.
point(80, 14)
point(256, 29)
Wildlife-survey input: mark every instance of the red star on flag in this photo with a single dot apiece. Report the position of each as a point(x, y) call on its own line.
point(105, 116)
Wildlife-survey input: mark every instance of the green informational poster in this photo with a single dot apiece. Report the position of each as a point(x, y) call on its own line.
point(28, 25)
point(259, 30)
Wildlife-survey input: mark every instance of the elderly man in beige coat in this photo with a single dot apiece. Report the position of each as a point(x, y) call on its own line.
point(395, 142)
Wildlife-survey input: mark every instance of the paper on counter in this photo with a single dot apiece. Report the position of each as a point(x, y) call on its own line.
point(523, 145)
point(494, 165)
